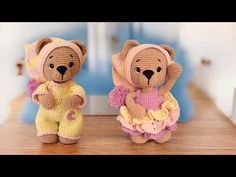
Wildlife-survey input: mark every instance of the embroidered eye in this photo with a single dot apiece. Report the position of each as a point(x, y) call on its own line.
point(159, 69)
point(71, 64)
point(137, 69)
point(51, 66)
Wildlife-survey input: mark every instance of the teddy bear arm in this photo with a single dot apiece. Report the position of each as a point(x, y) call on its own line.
point(167, 86)
point(174, 71)
point(46, 100)
point(129, 99)
point(135, 109)
point(43, 97)
point(73, 101)
point(77, 98)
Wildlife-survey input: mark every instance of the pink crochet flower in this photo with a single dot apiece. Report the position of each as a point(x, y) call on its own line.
point(71, 115)
point(32, 86)
point(116, 97)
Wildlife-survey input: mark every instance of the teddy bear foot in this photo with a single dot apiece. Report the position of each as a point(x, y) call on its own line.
point(164, 138)
point(67, 141)
point(48, 139)
point(138, 139)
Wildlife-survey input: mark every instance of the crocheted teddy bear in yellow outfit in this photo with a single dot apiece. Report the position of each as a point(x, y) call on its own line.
point(54, 62)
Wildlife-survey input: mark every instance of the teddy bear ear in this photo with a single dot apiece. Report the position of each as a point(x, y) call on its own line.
point(129, 44)
point(41, 43)
point(81, 45)
point(169, 49)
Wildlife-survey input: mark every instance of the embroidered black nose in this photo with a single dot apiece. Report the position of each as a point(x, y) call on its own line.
point(61, 69)
point(148, 73)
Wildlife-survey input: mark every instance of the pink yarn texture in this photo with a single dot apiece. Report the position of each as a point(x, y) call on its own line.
point(149, 100)
point(116, 97)
point(32, 86)
point(149, 135)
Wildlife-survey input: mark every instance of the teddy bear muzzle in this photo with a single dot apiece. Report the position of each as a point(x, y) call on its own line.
point(148, 74)
point(62, 69)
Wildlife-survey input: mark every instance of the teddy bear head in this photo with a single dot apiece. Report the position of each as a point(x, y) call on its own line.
point(147, 65)
point(142, 66)
point(148, 68)
point(60, 61)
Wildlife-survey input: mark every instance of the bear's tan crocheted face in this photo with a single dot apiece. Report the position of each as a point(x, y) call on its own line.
point(148, 68)
point(61, 65)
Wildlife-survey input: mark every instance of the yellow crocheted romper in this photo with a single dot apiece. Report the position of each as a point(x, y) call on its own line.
point(67, 123)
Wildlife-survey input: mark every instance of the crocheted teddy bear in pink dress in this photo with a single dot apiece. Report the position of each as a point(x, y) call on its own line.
point(146, 112)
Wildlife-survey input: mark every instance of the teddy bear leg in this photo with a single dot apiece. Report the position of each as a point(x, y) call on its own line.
point(140, 139)
point(46, 128)
point(166, 137)
point(70, 127)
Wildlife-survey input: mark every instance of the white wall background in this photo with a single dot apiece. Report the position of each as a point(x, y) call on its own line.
point(216, 41)
point(98, 46)
point(14, 36)
point(167, 31)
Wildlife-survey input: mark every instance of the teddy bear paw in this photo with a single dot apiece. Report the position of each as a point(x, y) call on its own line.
point(137, 111)
point(67, 140)
point(166, 137)
point(140, 139)
point(48, 139)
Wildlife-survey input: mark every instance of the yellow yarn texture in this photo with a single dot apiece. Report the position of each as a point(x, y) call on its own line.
point(67, 123)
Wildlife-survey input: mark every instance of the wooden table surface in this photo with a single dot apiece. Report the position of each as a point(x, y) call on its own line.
point(209, 132)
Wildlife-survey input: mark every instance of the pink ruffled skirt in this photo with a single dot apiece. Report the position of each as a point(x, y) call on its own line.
point(155, 124)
